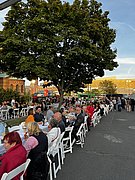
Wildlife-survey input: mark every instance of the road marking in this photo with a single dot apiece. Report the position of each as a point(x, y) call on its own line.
point(112, 138)
point(131, 127)
point(121, 119)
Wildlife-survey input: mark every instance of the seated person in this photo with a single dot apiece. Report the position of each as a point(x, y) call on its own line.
point(54, 131)
point(30, 117)
point(15, 154)
point(37, 147)
point(79, 120)
point(61, 124)
point(38, 116)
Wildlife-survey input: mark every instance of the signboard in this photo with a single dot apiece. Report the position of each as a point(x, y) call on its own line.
point(45, 92)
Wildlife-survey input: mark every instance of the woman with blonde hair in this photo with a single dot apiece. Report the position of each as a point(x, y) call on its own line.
point(37, 147)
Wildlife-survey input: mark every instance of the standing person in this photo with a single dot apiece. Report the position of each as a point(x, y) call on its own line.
point(49, 113)
point(114, 103)
point(119, 104)
point(15, 154)
point(132, 104)
point(37, 147)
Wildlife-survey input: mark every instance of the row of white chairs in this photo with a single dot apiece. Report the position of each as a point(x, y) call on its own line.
point(5, 114)
point(63, 145)
point(81, 134)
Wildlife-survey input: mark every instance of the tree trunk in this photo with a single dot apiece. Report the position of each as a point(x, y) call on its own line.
point(61, 99)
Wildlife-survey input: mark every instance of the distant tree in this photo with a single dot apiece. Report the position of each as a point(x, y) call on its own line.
point(8, 94)
point(68, 44)
point(26, 98)
point(107, 87)
point(95, 91)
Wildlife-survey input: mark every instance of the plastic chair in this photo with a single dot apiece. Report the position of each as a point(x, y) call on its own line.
point(16, 171)
point(94, 119)
point(13, 128)
point(80, 133)
point(67, 140)
point(61, 147)
point(50, 166)
point(85, 126)
point(54, 151)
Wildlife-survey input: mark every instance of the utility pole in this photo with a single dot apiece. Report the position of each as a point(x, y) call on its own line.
point(7, 3)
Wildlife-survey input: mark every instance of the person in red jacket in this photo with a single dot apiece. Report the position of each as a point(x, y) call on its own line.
point(15, 154)
point(90, 111)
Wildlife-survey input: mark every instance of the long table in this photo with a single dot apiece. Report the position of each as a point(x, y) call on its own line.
point(21, 133)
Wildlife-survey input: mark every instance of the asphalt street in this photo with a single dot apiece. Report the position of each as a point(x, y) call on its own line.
point(108, 153)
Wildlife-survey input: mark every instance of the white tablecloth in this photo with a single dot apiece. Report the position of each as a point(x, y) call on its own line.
point(2, 149)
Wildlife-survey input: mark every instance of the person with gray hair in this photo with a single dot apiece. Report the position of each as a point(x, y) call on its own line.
point(49, 113)
point(58, 117)
point(54, 131)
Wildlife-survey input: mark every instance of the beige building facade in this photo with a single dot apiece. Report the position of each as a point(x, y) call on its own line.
point(124, 86)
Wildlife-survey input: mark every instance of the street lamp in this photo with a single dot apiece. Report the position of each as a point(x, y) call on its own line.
point(7, 3)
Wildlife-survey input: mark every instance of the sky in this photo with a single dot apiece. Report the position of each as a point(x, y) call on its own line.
point(122, 16)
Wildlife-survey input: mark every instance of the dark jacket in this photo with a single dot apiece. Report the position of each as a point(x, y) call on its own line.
point(61, 125)
point(39, 166)
point(79, 120)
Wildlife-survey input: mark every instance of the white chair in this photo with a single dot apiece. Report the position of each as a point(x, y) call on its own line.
point(54, 152)
point(16, 113)
point(85, 125)
point(94, 119)
point(61, 147)
point(98, 116)
point(50, 167)
point(16, 171)
point(80, 133)
point(68, 140)
point(13, 128)
point(4, 114)
point(24, 112)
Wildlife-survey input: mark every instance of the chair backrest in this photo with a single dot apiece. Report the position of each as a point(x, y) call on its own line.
point(13, 128)
point(81, 129)
point(16, 171)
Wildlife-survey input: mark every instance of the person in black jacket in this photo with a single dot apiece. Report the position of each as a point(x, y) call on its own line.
point(61, 124)
point(37, 147)
point(79, 120)
point(38, 116)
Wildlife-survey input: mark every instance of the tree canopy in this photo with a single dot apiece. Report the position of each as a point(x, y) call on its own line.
point(68, 44)
point(107, 87)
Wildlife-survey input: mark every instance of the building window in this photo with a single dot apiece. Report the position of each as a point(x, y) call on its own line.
point(22, 88)
point(11, 86)
point(17, 88)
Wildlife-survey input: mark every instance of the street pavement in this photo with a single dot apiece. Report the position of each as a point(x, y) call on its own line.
point(108, 153)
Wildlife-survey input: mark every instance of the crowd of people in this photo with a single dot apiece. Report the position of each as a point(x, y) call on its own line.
point(37, 142)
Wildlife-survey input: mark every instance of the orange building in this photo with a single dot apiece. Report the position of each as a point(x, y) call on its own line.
point(15, 84)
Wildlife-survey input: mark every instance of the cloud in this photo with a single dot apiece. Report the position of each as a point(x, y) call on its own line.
point(118, 25)
point(125, 60)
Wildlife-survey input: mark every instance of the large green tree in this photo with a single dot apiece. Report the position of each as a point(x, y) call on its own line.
point(69, 44)
point(107, 87)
